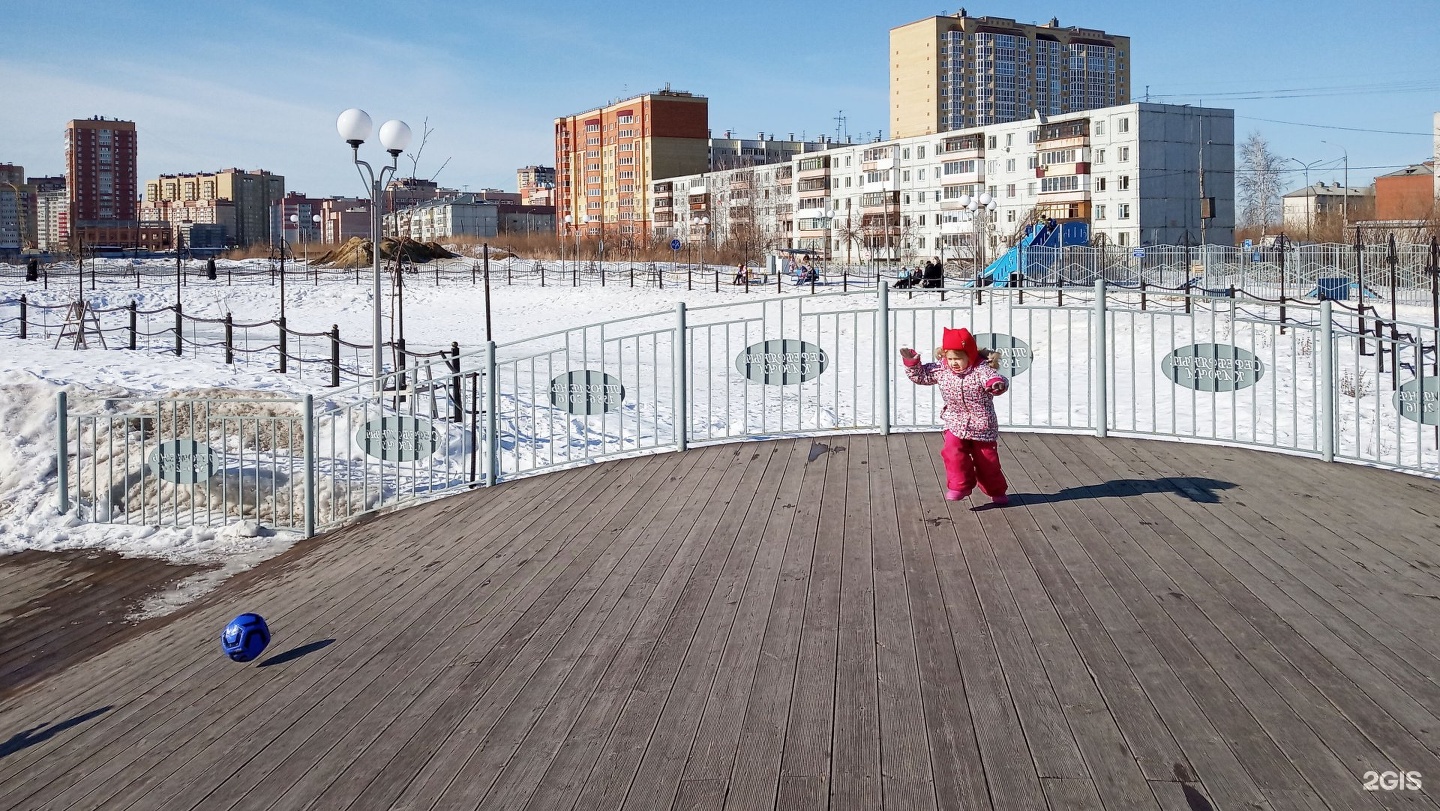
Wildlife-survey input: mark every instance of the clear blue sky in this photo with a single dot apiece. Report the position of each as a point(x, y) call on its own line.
point(258, 84)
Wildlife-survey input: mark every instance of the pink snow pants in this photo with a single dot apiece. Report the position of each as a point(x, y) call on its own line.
point(967, 460)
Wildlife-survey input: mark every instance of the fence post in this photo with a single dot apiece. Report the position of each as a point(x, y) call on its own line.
point(335, 356)
point(682, 423)
point(229, 338)
point(492, 444)
point(401, 377)
point(134, 324)
point(456, 394)
point(283, 340)
point(1142, 294)
point(308, 433)
point(23, 329)
point(882, 356)
point(179, 325)
point(1327, 382)
point(62, 450)
point(1102, 406)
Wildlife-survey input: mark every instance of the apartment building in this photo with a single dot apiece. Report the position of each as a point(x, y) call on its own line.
point(607, 158)
point(100, 169)
point(444, 217)
point(953, 72)
point(1132, 172)
point(535, 184)
point(252, 196)
point(728, 152)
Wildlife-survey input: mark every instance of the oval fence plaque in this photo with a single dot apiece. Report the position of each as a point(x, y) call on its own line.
point(398, 438)
point(183, 461)
point(1212, 367)
point(1014, 353)
point(782, 361)
point(1419, 400)
point(587, 392)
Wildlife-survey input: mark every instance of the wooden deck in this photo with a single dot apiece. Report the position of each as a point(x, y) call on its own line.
point(801, 624)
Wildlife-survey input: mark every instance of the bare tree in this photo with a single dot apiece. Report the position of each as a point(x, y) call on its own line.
point(1258, 184)
point(425, 131)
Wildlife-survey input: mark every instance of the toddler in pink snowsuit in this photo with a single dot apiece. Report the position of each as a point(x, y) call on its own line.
point(969, 387)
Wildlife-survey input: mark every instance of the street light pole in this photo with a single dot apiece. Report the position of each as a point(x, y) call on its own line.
point(1344, 201)
point(1309, 193)
point(704, 223)
point(354, 126)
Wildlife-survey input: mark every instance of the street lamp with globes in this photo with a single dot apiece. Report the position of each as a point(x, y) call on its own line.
point(354, 126)
point(704, 223)
point(982, 202)
point(300, 232)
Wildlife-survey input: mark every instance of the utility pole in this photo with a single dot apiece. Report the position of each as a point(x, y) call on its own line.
point(1203, 212)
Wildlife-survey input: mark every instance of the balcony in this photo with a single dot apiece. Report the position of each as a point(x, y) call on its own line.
point(813, 184)
point(1077, 141)
point(740, 214)
point(698, 190)
point(664, 204)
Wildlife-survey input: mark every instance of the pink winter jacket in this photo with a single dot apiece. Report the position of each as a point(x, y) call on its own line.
point(969, 411)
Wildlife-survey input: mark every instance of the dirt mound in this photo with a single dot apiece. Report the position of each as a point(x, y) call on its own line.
point(356, 252)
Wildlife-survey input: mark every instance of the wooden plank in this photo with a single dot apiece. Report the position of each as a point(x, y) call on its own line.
point(1055, 611)
point(646, 752)
point(653, 537)
point(415, 771)
point(227, 680)
point(148, 772)
point(1070, 794)
point(670, 624)
point(906, 776)
point(1247, 669)
point(712, 755)
point(1289, 686)
point(1050, 742)
point(617, 651)
point(700, 795)
point(1010, 772)
point(791, 700)
point(954, 753)
point(854, 767)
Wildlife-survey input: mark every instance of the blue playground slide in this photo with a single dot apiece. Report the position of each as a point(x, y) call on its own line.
point(1025, 255)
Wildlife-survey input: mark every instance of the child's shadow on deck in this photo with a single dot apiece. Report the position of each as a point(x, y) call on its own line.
point(1198, 489)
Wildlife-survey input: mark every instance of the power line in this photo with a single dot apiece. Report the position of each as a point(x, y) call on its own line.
point(1334, 127)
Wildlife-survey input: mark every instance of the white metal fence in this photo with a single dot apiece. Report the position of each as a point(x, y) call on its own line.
point(1327, 381)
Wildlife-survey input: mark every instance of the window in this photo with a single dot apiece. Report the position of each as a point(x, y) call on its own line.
point(625, 119)
point(922, 196)
point(1059, 156)
point(1010, 215)
point(1010, 164)
point(1099, 184)
point(1099, 127)
point(1099, 157)
point(1009, 138)
point(922, 174)
point(1123, 238)
point(1124, 154)
point(1123, 210)
point(992, 167)
point(1030, 189)
point(907, 202)
point(922, 242)
point(905, 153)
point(959, 167)
point(1010, 190)
point(626, 133)
point(1032, 161)
point(922, 219)
point(1100, 212)
point(920, 152)
point(592, 127)
point(1124, 124)
point(990, 142)
point(1124, 183)
point(1061, 183)
point(905, 176)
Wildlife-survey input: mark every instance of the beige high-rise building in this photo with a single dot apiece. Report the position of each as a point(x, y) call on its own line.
point(953, 72)
point(254, 198)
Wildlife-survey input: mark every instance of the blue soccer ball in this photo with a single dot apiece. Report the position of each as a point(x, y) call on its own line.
point(245, 637)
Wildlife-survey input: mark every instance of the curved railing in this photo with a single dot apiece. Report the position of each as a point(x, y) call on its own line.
point(1325, 380)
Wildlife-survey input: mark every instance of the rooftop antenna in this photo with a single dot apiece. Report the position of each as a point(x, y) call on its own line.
point(840, 130)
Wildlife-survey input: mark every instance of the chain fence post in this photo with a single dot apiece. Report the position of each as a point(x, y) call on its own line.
point(62, 450)
point(1327, 382)
point(682, 423)
point(308, 414)
point(882, 356)
point(1102, 406)
point(179, 328)
point(335, 356)
point(492, 399)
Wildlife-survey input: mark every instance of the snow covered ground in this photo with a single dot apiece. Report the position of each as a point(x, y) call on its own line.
point(32, 372)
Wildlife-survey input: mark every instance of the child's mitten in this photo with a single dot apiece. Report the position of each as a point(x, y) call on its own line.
point(997, 385)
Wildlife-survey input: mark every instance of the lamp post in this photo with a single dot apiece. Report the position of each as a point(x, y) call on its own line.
point(704, 223)
point(1344, 201)
point(354, 126)
point(1309, 192)
point(982, 203)
point(300, 232)
point(569, 224)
